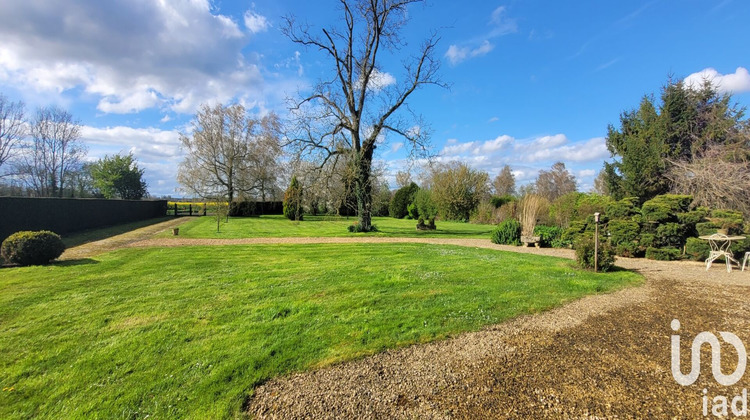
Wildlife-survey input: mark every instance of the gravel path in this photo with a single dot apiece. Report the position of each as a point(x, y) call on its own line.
point(603, 356)
point(119, 241)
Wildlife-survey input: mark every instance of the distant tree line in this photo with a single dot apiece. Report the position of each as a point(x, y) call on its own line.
point(44, 156)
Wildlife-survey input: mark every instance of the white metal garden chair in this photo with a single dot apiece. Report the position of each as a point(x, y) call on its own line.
point(720, 248)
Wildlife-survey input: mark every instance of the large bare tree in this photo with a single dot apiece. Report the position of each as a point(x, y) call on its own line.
point(54, 152)
point(716, 178)
point(12, 130)
point(362, 102)
point(229, 153)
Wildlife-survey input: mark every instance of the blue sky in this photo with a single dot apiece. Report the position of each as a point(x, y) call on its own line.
point(532, 82)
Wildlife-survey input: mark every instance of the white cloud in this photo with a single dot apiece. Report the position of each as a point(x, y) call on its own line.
point(491, 146)
point(545, 142)
point(456, 54)
point(499, 25)
point(457, 148)
point(395, 147)
point(477, 148)
point(378, 81)
point(255, 23)
point(131, 56)
point(146, 142)
point(736, 82)
point(588, 151)
point(493, 119)
point(586, 172)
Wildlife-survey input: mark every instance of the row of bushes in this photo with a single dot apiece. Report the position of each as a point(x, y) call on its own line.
point(664, 228)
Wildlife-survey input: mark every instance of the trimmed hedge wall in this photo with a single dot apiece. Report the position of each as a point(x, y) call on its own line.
point(66, 215)
point(255, 208)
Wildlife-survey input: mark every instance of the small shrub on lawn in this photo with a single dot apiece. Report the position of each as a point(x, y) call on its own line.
point(584, 247)
point(424, 205)
point(292, 206)
point(549, 236)
point(357, 228)
point(507, 233)
point(398, 207)
point(32, 248)
point(697, 249)
point(411, 211)
point(663, 254)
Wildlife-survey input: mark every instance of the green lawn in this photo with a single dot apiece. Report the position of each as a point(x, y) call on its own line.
point(327, 226)
point(189, 332)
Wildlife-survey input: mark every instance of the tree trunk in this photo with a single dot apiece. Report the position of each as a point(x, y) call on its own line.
point(363, 188)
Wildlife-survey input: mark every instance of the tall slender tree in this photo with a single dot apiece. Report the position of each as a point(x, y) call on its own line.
point(362, 102)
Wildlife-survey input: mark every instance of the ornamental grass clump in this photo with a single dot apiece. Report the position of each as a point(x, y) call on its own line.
point(532, 206)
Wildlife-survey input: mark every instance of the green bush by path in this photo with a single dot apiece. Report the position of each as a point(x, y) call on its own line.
point(663, 254)
point(508, 232)
point(189, 332)
point(697, 249)
point(549, 236)
point(585, 251)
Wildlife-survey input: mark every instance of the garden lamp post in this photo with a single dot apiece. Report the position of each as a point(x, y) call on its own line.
point(596, 242)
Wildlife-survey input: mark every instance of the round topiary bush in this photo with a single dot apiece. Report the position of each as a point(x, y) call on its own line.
point(32, 248)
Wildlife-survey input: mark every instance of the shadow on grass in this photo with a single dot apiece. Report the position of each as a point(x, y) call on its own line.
point(92, 235)
point(78, 261)
point(63, 263)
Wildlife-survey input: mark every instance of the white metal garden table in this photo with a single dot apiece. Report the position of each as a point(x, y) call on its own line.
point(720, 245)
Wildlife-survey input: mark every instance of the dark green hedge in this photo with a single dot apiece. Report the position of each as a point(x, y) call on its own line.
point(66, 215)
point(255, 208)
